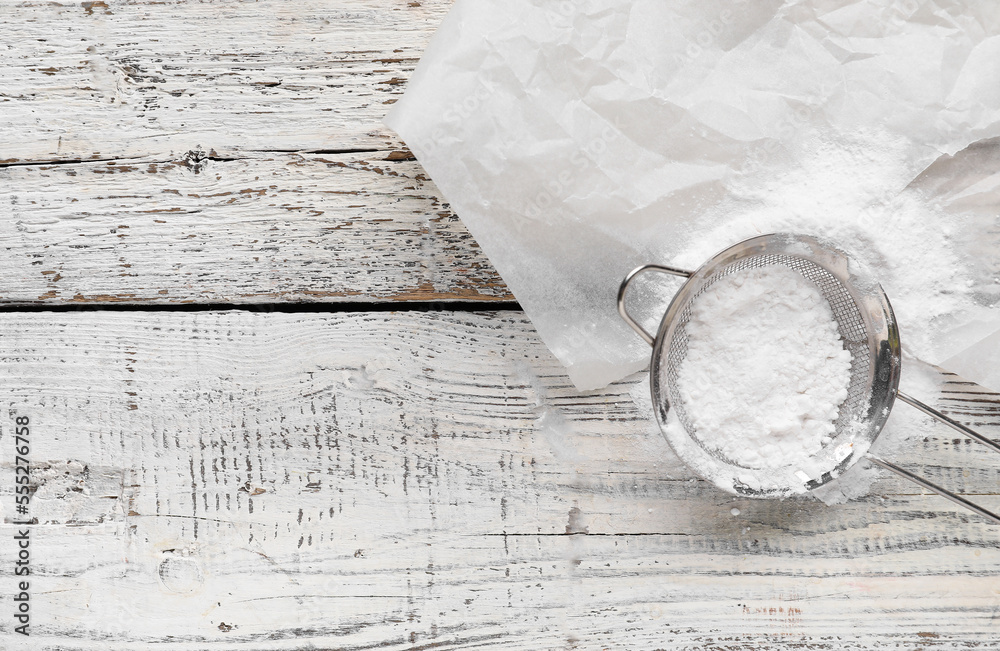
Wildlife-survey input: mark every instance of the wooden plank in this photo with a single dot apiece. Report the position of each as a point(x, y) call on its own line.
point(237, 480)
point(155, 153)
point(117, 79)
point(261, 228)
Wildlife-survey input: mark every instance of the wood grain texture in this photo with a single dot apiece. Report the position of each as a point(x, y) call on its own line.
point(223, 151)
point(266, 228)
point(236, 480)
point(123, 78)
point(255, 480)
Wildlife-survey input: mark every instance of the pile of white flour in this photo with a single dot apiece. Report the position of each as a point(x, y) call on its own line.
point(766, 369)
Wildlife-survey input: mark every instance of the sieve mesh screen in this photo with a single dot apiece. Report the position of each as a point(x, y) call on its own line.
point(850, 324)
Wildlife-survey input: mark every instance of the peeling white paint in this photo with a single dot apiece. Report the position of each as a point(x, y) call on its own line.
point(258, 494)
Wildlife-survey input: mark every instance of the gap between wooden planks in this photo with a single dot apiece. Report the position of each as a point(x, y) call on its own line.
point(237, 480)
point(144, 78)
point(315, 228)
point(272, 481)
point(220, 152)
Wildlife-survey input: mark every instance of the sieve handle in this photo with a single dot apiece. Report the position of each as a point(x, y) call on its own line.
point(947, 494)
point(954, 424)
point(920, 481)
point(673, 271)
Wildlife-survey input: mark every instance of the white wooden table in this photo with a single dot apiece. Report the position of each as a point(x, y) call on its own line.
point(374, 450)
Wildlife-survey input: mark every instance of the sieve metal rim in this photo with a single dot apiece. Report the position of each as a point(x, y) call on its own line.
point(883, 346)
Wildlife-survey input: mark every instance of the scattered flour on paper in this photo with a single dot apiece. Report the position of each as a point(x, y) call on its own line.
point(906, 239)
point(766, 370)
point(915, 244)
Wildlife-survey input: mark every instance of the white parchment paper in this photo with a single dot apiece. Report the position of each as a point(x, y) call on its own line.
point(577, 140)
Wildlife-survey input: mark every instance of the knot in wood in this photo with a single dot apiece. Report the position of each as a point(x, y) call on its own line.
point(196, 160)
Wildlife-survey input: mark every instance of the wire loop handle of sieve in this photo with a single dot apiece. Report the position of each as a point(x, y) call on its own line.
point(955, 425)
point(921, 481)
point(943, 492)
point(673, 271)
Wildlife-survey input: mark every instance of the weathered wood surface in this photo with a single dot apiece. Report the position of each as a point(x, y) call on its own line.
point(235, 480)
point(268, 228)
point(160, 153)
point(259, 480)
point(117, 79)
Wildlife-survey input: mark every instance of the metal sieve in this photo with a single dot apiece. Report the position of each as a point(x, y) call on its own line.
point(868, 329)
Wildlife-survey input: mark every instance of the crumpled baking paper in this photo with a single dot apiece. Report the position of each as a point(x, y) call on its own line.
point(578, 140)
